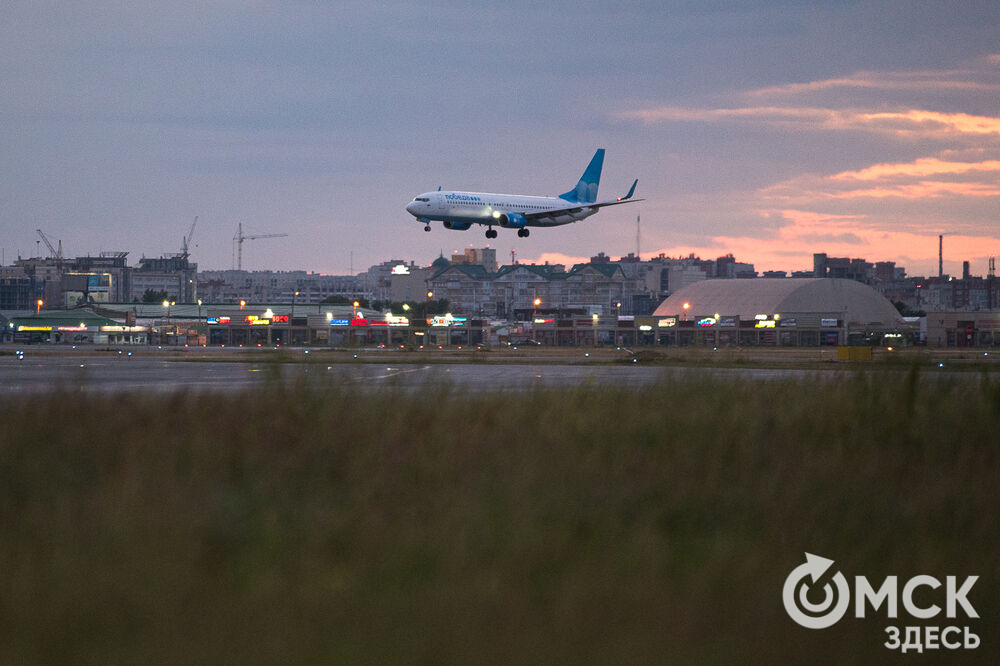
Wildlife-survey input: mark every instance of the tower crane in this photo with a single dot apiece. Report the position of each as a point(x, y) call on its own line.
point(56, 254)
point(186, 241)
point(239, 238)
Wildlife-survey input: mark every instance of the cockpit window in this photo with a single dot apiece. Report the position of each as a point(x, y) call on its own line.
point(421, 199)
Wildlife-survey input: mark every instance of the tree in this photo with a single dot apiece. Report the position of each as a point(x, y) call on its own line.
point(154, 296)
point(344, 300)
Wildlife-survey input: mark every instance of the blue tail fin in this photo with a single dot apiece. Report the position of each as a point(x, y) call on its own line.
point(586, 190)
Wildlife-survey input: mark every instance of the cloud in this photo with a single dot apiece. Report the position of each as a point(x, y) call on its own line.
point(923, 178)
point(902, 103)
point(908, 123)
point(923, 167)
point(953, 81)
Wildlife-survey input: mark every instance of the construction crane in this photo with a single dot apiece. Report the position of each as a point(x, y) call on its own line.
point(186, 241)
point(238, 241)
point(54, 253)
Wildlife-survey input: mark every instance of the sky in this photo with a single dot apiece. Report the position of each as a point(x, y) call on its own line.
point(767, 129)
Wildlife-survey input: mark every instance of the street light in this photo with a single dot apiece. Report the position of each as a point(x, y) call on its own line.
point(355, 310)
point(686, 306)
point(167, 305)
point(38, 306)
point(242, 304)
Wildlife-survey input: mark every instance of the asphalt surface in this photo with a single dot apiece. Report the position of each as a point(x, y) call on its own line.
point(33, 369)
point(112, 372)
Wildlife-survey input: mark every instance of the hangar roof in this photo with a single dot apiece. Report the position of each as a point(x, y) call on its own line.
point(849, 300)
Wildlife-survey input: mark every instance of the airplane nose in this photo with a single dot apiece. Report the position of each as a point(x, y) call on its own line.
point(411, 207)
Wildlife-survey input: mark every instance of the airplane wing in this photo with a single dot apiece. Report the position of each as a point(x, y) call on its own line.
point(576, 207)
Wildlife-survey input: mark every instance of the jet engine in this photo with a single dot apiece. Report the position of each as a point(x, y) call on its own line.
point(512, 220)
point(457, 226)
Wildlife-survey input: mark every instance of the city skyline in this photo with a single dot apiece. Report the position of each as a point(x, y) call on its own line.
point(762, 129)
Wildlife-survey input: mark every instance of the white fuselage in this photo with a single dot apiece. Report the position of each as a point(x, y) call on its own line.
point(487, 208)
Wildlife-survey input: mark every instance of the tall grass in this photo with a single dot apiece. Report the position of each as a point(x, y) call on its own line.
point(595, 525)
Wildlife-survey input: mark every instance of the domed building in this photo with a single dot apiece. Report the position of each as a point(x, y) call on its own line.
point(780, 311)
point(440, 263)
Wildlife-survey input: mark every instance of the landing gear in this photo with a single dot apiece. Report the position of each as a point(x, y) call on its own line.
point(427, 228)
point(523, 233)
point(491, 233)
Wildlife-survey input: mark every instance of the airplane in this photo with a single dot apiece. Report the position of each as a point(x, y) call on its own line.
point(460, 210)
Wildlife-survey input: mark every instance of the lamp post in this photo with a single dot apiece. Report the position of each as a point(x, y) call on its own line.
point(686, 307)
point(167, 305)
point(594, 319)
point(38, 306)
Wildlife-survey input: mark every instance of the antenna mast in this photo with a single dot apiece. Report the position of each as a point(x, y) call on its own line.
point(637, 236)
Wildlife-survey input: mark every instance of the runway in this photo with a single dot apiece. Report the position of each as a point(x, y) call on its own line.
point(111, 372)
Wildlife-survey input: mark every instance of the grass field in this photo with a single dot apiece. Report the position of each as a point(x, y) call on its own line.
point(587, 525)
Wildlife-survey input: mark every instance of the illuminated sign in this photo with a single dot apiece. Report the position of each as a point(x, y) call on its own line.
point(446, 320)
point(544, 321)
point(340, 322)
point(279, 319)
point(359, 322)
point(218, 320)
point(376, 322)
point(667, 322)
point(706, 322)
point(400, 269)
point(645, 327)
point(254, 320)
point(122, 329)
point(828, 322)
point(34, 328)
point(728, 322)
point(764, 323)
point(81, 327)
point(395, 320)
